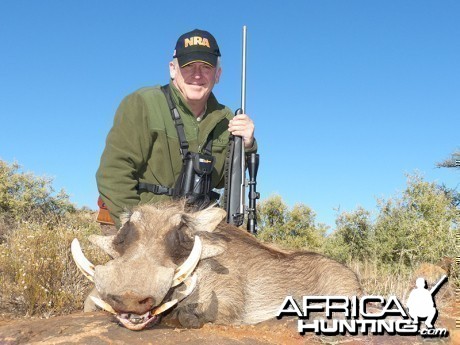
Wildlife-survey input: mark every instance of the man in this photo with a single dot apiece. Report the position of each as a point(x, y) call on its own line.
point(143, 149)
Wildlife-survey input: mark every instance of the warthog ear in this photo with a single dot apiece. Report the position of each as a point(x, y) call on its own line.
point(212, 246)
point(105, 243)
point(207, 219)
point(205, 222)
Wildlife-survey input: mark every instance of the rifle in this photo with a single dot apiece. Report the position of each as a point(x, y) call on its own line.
point(441, 281)
point(235, 178)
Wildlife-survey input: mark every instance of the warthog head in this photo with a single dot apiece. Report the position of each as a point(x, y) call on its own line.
point(154, 255)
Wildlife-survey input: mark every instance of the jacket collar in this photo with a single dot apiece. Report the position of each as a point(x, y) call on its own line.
point(213, 114)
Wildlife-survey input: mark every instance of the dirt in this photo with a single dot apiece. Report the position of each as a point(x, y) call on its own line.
point(100, 328)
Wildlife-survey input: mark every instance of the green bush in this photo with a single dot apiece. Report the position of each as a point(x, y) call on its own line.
point(290, 228)
point(352, 238)
point(418, 226)
point(415, 227)
point(25, 196)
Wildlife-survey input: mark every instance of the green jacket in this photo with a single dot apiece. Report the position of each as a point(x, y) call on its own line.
point(143, 146)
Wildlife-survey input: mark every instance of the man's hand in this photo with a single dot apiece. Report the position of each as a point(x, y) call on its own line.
point(241, 125)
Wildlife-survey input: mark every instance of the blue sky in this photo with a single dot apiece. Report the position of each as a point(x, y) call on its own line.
point(347, 96)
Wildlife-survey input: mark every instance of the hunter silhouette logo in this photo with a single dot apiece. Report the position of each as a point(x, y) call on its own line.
point(196, 41)
point(421, 302)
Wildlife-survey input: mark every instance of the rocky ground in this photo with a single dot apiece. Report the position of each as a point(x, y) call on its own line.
point(99, 328)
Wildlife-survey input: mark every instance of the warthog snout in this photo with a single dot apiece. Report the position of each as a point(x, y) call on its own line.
point(131, 302)
point(128, 290)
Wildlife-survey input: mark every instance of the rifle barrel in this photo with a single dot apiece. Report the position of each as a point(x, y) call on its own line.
point(243, 73)
point(440, 282)
point(243, 110)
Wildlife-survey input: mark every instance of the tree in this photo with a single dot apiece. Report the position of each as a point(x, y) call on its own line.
point(419, 226)
point(452, 162)
point(352, 238)
point(293, 228)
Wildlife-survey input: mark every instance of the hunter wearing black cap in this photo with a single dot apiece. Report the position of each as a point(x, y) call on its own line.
point(143, 146)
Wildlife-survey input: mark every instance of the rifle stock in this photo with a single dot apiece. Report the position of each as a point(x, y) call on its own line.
point(235, 181)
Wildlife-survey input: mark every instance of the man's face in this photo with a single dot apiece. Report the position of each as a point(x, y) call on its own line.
point(195, 81)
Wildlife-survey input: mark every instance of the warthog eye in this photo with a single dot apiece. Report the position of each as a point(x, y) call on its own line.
point(178, 243)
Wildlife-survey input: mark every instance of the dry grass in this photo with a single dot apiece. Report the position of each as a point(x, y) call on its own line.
point(399, 281)
point(37, 273)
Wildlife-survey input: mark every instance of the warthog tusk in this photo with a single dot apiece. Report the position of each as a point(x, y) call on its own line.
point(81, 261)
point(103, 305)
point(190, 284)
point(164, 307)
point(184, 270)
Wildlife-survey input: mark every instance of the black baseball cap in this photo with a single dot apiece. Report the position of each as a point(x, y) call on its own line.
point(197, 46)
